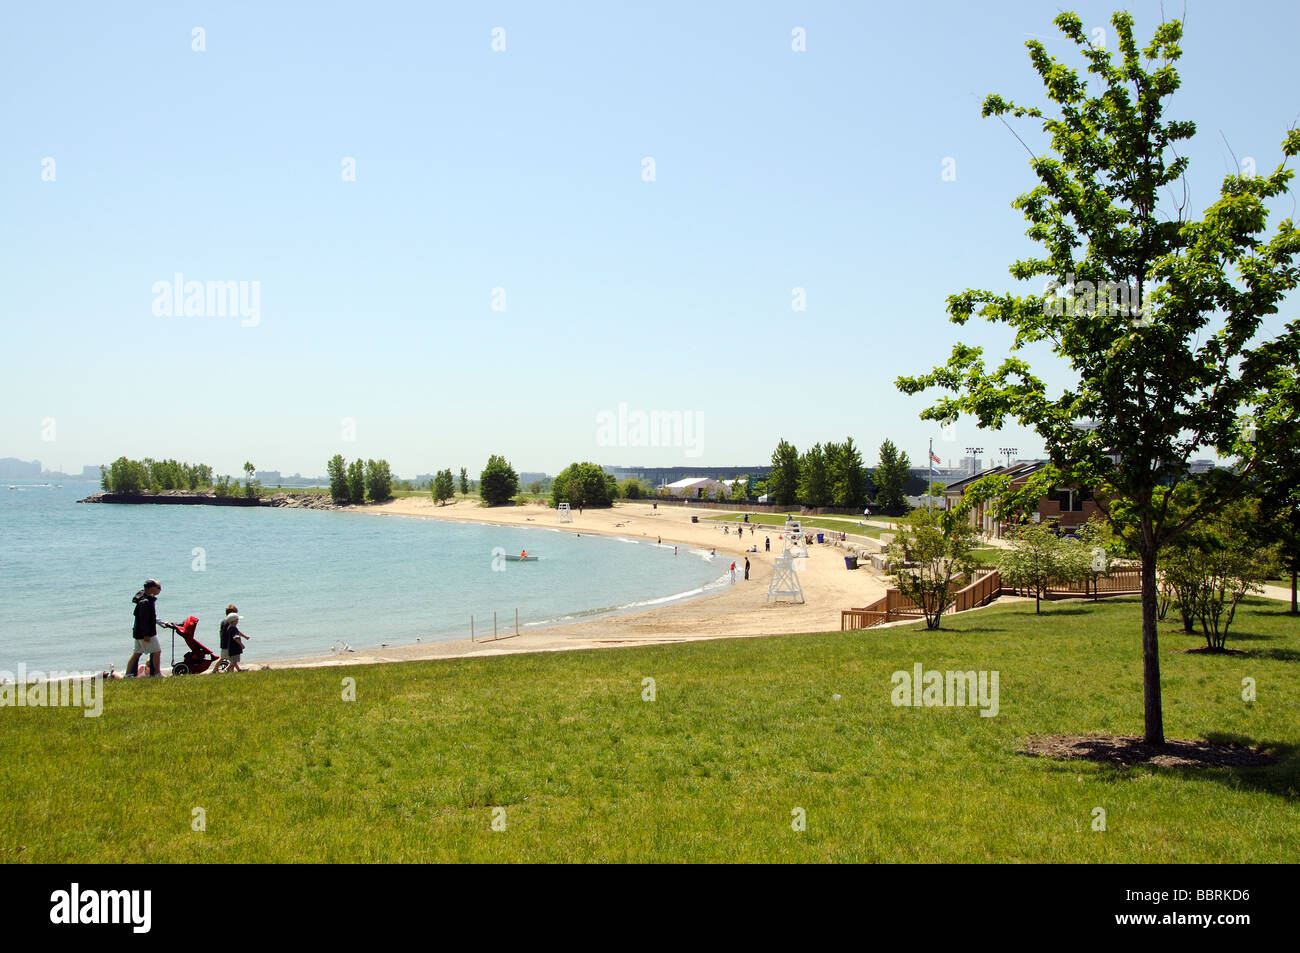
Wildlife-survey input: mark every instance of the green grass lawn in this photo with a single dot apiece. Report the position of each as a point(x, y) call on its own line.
point(742, 732)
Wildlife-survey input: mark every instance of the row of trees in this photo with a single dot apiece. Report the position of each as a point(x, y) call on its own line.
point(153, 476)
point(372, 480)
point(356, 481)
point(830, 474)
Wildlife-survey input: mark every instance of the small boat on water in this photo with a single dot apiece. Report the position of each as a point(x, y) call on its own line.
point(520, 558)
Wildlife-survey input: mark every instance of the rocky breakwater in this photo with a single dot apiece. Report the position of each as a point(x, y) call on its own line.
point(302, 501)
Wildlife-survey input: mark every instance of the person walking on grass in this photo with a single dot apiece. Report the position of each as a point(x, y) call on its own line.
point(232, 641)
point(145, 630)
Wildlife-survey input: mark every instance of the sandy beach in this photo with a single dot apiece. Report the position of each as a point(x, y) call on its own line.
point(737, 611)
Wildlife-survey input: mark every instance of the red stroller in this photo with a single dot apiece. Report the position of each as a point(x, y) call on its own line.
point(199, 658)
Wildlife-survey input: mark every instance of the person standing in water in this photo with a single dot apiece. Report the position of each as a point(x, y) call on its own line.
point(145, 629)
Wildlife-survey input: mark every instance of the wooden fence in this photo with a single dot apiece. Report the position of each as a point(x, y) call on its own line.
point(894, 606)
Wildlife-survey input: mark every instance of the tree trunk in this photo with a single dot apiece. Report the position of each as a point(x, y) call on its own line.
point(1154, 715)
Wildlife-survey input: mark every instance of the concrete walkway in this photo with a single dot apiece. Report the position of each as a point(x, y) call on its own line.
point(1278, 592)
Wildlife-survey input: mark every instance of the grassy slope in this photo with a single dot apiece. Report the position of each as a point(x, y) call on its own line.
point(742, 732)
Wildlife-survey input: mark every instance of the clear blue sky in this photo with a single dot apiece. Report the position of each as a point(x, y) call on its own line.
point(522, 170)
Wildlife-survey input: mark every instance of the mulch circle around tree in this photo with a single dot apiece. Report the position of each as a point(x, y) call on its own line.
point(1130, 751)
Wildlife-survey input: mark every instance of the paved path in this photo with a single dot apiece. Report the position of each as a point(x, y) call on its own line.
point(1278, 592)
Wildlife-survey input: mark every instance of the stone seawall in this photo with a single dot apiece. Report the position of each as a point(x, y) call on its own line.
point(303, 501)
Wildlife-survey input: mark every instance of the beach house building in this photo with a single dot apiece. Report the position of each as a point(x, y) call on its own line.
point(1068, 506)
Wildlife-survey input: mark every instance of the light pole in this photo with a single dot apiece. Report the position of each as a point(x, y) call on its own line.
point(973, 452)
point(1008, 451)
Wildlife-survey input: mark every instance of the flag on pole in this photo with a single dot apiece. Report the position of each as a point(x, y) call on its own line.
point(934, 458)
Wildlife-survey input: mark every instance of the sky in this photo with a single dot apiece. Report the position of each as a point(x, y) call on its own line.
point(513, 228)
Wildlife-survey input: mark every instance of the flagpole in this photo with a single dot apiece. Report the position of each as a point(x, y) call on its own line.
point(929, 484)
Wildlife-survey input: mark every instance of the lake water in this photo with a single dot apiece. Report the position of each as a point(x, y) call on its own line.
point(303, 579)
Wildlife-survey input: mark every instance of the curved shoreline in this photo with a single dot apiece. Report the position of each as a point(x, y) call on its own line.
point(732, 611)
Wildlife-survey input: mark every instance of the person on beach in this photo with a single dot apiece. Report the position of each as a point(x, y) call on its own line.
point(145, 629)
point(746, 568)
point(733, 570)
point(232, 641)
point(767, 544)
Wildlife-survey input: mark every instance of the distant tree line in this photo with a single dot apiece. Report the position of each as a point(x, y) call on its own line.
point(832, 474)
point(153, 476)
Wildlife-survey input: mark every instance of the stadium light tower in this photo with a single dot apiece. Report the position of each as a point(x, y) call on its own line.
point(973, 452)
point(1007, 452)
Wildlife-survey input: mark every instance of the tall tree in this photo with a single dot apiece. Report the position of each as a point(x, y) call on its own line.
point(379, 481)
point(814, 482)
point(444, 487)
point(337, 468)
point(783, 480)
point(1156, 315)
point(464, 482)
point(356, 482)
point(498, 483)
point(892, 473)
point(844, 473)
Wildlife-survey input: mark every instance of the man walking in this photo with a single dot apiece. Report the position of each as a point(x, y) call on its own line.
point(145, 630)
point(746, 568)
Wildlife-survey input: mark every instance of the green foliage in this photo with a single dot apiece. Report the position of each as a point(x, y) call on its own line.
point(634, 489)
point(814, 480)
point(1212, 567)
point(584, 484)
point(464, 482)
point(153, 476)
point(845, 476)
point(1157, 316)
point(250, 485)
point(443, 486)
point(891, 479)
point(337, 468)
point(498, 483)
point(783, 480)
point(379, 481)
point(1036, 557)
point(128, 476)
point(933, 549)
point(356, 482)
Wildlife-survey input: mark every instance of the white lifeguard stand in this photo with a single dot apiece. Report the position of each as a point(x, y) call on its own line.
point(784, 585)
point(796, 545)
point(563, 514)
